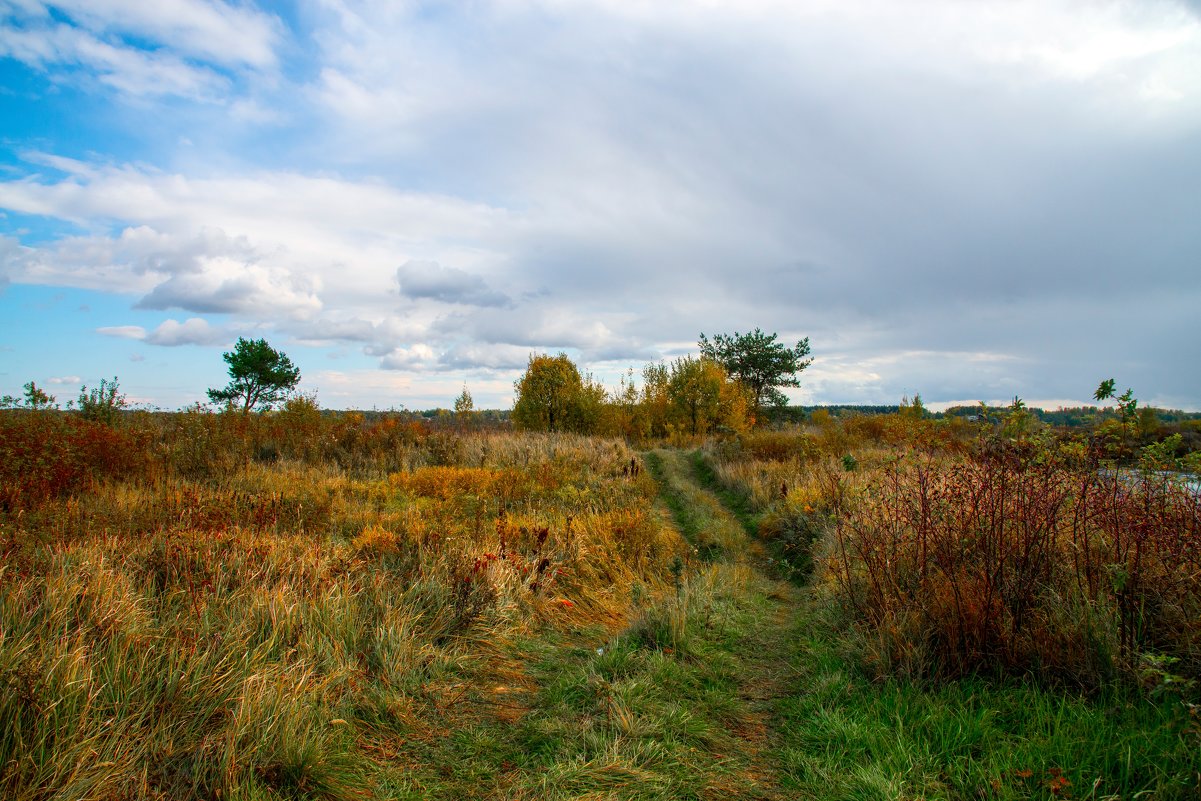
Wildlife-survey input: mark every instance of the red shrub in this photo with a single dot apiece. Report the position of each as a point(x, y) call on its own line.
point(1012, 562)
point(46, 454)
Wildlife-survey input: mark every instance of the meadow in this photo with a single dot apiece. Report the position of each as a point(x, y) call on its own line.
point(205, 605)
point(325, 605)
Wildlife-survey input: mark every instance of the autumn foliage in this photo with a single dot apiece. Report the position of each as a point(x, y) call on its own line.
point(993, 549)
point(45, 455)
point(683, 401)
point(1003, 563)
point(200, 605)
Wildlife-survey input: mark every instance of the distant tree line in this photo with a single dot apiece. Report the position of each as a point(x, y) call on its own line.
point(1078, 416)
point(734, 384)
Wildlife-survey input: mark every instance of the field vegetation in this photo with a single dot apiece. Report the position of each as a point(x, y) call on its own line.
point(333, 605)
point(1000, 546)
point(207, 605)
point(965, 566)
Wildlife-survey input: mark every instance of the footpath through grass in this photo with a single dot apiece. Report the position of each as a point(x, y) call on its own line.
point(837, 734)
point(679, 705)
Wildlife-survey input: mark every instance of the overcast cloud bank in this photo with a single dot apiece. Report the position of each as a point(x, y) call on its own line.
point(962, 200)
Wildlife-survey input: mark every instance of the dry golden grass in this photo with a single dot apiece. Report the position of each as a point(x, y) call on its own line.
point(279, 628)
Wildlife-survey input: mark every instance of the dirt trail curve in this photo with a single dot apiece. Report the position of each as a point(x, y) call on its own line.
point(766, 646)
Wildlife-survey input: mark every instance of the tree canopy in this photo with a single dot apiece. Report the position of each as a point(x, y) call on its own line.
point(704, 398)
point(259, 376)
point(552, 396)
point(759, 362)
point(36, 398)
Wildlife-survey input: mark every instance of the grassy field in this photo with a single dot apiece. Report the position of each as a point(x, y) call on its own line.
point(340, 609)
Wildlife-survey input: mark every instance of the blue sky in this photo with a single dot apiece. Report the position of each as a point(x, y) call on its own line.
point(970, 201)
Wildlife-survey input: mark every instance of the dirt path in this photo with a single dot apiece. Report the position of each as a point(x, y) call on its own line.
point(683, 702)
point(765, 648)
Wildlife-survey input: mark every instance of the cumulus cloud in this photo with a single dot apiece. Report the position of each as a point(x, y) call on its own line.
point(208, 271)
point(272, 248)
point(295, 232)
point(170, 333)
point(226, 285)
point(428, 279)
point(193, 331)
point(65, 379)
point(485, 356)
point(414, 357)
point(541, 324)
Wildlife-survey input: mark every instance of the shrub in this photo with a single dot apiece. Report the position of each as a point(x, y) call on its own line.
point(794, 526)
point(49, 454)
point(376, 540)
point(102, 404)
point(1013, 562)
point(779, 446)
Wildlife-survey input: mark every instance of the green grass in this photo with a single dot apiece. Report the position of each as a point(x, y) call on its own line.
point(833, 733)
point(845, 737)
point(737, 503)
point(786, 557)
point(836, 734)
point(194, 662)
point(643, 714)
point(702, 518)
point(674, 706)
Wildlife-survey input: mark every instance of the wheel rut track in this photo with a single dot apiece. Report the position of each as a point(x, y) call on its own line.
point(765, 653)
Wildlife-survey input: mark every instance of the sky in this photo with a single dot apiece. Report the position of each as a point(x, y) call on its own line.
point(970, 201)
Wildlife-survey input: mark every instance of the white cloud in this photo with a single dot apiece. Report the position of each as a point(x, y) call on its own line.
point(332, 329)
point(193, 331)
point(66, 379)
point(123, 331)
point(414, 357)
point(137, 260)
point(386, 389)
point(213, 31)
point(486, 356)
point(130, 71)
point(428, 279)
point(267, 206)
point(144, 50)
point(280, 247)
point(941, 194)
point(170, 333)
point(255, 113)
point(229, 285)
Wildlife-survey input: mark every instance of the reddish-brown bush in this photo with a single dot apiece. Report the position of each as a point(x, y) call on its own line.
point(1010, 561)
point(46, 454)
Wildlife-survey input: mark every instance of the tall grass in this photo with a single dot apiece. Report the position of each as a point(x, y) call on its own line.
point(216, 606)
